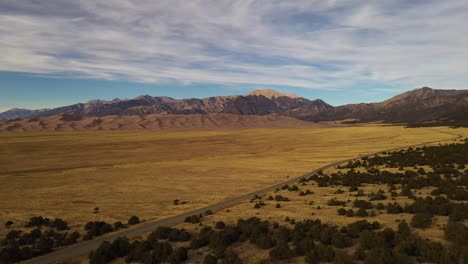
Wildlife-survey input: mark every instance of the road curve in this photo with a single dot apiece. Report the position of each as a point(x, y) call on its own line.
point(85, 247)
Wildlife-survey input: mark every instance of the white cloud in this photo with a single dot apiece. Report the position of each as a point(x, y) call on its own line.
point(310, 44)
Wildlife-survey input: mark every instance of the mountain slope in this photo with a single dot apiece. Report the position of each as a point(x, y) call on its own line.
point(420, 105)
point(151, 122)
point(19, 113)
point(259, 102)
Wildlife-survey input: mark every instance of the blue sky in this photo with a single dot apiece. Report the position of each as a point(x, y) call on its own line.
point(59, 52)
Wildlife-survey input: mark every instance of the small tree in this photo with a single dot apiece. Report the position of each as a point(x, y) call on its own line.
point(220, 225)
point(134, 220)
point(8, 223)
point(231, 257)
point(421, 220)
point(457, 233)
point(179, 255)
point(281, 251)
point(210, 259)
point(362, 212)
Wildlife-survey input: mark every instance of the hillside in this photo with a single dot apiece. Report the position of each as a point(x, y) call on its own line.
point(63, 123)
point(424, 106)
point(258, 102)
point(420, 105)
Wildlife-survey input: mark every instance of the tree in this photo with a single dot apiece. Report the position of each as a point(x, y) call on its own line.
point(118, 225)
point(281, 251)
point(324, 253)
point(341, 211)
point(343, 258)
point(403, 229)
point(362, 212)
point(220, 225)
point(456, 232)
point(231, 258)
point(134, 220)
point(103, 254)
point(421, 220)
point(59, 224)
point(210, 259)
point(8, 223)
point(305, 245)
point(121, 246)
point(312, 258)
point(179, 255)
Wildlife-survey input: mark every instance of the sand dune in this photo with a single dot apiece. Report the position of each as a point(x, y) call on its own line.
point(151, 122)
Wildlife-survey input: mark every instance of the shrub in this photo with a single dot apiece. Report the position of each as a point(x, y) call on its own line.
point(179, 255)
point(118, 225)
point(324, 253)
point(8, 223)
point(377, 196)
point(208, 212)
point(362, 212)
point(281, 251)
point(341, 211)
point(421, 220)
point(394, 208)
point(456, 232)
point(38, 221)
point(97, 228)
point(220, 225)
point(293, 188)
point(231, 258)
point(335, 202)
point(134, 220)
point(362, 204)
point(103, 254)
point(194, 219)
point(280, 198)
point(210, 259)
point(403, 229)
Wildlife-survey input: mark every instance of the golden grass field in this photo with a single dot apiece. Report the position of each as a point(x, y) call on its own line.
point(127, 173)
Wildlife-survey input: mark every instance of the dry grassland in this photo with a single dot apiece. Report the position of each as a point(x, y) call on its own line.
point(140, 173)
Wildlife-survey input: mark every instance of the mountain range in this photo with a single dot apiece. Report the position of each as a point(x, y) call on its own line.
point(258, 102)
point(417, 106)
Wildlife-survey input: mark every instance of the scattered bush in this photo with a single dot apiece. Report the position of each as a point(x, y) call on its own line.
point(421, 220)
point(134, 220)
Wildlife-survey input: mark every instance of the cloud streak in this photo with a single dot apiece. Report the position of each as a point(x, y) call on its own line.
point(309, 44)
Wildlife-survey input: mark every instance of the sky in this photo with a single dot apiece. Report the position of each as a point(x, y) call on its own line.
point(59, 52)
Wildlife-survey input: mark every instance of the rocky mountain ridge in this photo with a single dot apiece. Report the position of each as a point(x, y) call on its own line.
point(259, 102)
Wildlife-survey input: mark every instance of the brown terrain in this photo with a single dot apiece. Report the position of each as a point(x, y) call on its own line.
point(257, 109)
point(62, 123)
point(420, 105)
point(259, 102)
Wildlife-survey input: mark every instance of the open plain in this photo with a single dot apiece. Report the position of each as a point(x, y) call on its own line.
point(126, 173)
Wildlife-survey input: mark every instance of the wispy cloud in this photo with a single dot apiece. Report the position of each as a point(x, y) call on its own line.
point(310, 44)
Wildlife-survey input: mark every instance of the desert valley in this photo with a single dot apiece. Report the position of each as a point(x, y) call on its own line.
point(102, 163)
point(233, 132)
